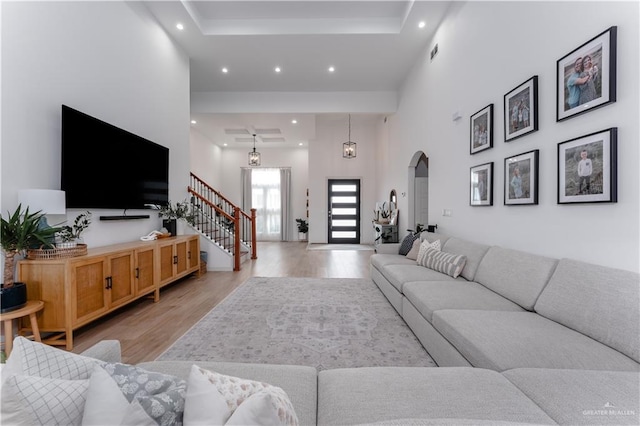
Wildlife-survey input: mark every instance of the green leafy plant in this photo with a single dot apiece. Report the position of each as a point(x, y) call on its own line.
point(179, 210)
point(21, 231)
point(303, 225)
point(80, 223)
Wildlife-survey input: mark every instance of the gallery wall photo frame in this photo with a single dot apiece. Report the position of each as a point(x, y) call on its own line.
point(586, 77)
point(587, 168)
point(521, 179)
point(481, 185)
point(521, 110)
point(481, 130)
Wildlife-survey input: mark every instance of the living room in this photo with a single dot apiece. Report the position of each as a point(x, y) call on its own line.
point(114, 61)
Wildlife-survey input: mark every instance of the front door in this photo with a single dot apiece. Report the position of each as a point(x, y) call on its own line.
point(344, 211)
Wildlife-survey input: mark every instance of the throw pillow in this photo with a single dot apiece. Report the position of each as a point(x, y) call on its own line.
point(258, 409)
point(415, 249)
point(106, 404)
point(204, 405)
point(31, 400)
point(30, 358)
point(407, 243)
point(447, 263)
point(237, 391)
point(423, 249)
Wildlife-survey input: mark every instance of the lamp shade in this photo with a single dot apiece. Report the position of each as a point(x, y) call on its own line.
point(48, 201)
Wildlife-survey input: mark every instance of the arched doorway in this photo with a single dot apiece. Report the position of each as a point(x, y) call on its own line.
point(418, 190)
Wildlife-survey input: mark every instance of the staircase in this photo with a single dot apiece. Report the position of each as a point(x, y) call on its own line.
point(229, 229)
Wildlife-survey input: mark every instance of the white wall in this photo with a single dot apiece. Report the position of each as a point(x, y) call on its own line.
point(486, 50)
point(108, 59)
point(206, 159)
point(326, 162)
point(233, 160)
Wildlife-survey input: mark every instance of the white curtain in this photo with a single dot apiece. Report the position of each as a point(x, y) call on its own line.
point(268, 191)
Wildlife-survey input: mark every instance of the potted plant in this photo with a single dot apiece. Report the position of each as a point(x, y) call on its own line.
point(70, 235)
point(20, 231)
point(171, 213)
point(303, 228)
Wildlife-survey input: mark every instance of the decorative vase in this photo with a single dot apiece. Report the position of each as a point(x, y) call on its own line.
point(13, 298)
point(67, 244)
point(181, 226)
point(170, 225)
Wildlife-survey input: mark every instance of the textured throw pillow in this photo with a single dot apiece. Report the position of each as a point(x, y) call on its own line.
point(31, 400)
point(30, 358)
point(407, 243)
point(106, 404)
point(423, 249)
point(237, 391)
point(447, 263)
point(415, 249)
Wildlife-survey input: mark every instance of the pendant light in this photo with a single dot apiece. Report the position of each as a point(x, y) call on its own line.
point(254, 157)
point(349, 148)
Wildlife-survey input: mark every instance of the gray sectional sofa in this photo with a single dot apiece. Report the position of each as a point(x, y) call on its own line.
point(519, 339)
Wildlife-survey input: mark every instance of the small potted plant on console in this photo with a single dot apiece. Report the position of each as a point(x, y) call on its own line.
point(69, 236)
point(20, 231)
point(171, 214)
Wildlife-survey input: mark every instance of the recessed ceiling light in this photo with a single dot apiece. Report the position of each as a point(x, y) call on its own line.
point(180, 26)
point(224, 144)
point(193, 121)
point(294, 121)
point(225, 70)
point(300, 144)
point(421, 24)
point(277, 69)
point(331, 69)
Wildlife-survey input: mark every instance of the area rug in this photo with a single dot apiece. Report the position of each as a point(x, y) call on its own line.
point(320, 322)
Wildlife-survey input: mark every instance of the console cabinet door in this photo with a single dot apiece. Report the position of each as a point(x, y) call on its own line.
point(166, 261)
point(193, 255)
point(144, 271)
point(89, 297)
point(120, 279)
point(181, 250)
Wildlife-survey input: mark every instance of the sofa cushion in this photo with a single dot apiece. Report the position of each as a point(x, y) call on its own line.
point(474, 253)
point(299, 382)
point(447, 263)
point(397, 275)
point(516, 275)
point(430, 296)
point(601, 302)
point(582, 396)
point(407, 243)
point(502, 340)
point(382, 260)
point(32, 400)
point(415, 249)
point(378, 394)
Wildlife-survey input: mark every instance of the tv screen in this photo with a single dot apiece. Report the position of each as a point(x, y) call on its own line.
point(104, 166)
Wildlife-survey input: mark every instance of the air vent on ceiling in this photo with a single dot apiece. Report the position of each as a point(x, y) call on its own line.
point(268, 131)
point(267, 140)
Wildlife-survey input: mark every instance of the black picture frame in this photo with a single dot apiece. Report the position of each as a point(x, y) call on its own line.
point(481, 185)
point(521, 179)
point(481, 130)
point(574, 94)
point(596, 181)
point(521, 110)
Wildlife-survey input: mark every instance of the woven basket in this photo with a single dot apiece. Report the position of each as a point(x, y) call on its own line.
point(57, 253)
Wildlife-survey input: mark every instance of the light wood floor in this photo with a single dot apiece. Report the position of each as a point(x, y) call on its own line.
point(146, 329)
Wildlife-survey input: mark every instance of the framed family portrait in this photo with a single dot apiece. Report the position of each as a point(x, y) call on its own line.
point(586, 77)
point(481, 185)
point(587, 168)
point(521, 110)
point(521, 179)
point(481, 136)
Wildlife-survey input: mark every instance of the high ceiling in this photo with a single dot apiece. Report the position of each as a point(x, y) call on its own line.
point(371, 45)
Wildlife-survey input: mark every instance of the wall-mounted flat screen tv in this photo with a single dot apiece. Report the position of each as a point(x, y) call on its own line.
point(106, 167)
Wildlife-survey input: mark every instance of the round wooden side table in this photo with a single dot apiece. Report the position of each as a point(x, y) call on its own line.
point(31, 308)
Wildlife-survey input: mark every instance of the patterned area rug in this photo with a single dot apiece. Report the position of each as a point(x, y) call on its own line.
point(320, 322)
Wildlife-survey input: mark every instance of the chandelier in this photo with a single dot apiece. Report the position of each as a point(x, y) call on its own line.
point(254, 156)
point(349, 148)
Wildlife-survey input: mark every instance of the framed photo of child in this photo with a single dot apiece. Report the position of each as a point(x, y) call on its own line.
point(481, 135)
point(481, 185)
point(521, 179)
point(587, 168)
point(586, 77)
point(521, 110)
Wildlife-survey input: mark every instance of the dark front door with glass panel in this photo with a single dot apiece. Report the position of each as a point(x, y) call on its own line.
point(344, 211)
